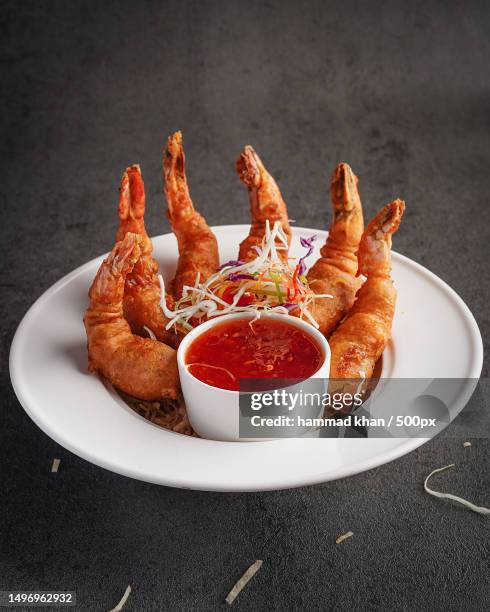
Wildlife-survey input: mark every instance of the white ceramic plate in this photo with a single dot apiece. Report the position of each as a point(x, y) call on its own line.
point(434, 335)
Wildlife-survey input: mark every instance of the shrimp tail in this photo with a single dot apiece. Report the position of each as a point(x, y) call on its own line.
point(142, 290)
point(198, 247)
point(375, 246)
point(108, 285)
point(132, 207)
point(249, 168)
point(360, 339)
point(334, 273)
point(179, 201)
point(347, 225)
point(343, 189)
point(266, 203)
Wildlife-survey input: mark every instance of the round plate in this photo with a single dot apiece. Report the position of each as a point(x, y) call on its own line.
point(434, 335)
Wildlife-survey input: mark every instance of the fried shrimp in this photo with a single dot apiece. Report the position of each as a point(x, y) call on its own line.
point(335, 272)
point(198, 248)
point(266, 204)
point(142, 291)
point(143, 368)
point(360, 339)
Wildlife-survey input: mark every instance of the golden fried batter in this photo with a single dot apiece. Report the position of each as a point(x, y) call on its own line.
point(143, 368)
point(198, 248)
point(335, 272)
point(142, 291)
point(360, 339)
point(266, 203)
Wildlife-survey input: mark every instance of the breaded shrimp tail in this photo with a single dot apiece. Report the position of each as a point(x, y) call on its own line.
point(142, 291)
point(132, 207)
point(335, 272)
point(107, 288)
point(360, 339)
point(143, 368)
point(375, 248)
point(347, 226)
point(266, 203)
point(198, 248)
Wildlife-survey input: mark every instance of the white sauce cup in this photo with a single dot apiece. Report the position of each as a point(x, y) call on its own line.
point(213, 412)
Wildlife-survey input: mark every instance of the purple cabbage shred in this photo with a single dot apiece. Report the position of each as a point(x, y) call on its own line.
point(232, 262)
point(237, 277)
point(307, 243)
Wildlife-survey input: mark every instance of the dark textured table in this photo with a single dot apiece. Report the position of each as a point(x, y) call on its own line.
point(402, 92)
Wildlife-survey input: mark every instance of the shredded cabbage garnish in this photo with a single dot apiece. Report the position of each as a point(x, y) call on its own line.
point(123, 600)
point(344, 536)
point(265, 284)
point(461, 500)
point(243, 581)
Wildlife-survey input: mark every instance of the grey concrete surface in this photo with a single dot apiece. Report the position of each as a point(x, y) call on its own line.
point(401, 90)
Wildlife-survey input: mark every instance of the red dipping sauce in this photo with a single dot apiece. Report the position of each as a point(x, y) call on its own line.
point(237, 349)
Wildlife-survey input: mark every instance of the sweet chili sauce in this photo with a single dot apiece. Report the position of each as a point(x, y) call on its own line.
point(237, 349)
